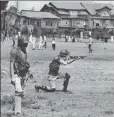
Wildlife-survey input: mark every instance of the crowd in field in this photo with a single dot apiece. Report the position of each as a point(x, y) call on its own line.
point(42, 37)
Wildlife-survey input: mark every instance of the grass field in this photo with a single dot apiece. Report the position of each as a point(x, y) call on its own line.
point(91, 83)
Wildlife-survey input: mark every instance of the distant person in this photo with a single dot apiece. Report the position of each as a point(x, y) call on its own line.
point(102, 38)
point(112, 35)
point(89, 32)
point(90, 42)
point(105, 41)
point(66, 38)
point(35, 36)
point(45, 42)
point(41, 43)
point(69, 38)
point(73, 39)
point(53, 43)
point(13, 38)
point(33, 41)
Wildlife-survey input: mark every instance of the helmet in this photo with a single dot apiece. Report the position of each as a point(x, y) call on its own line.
point(64, 53)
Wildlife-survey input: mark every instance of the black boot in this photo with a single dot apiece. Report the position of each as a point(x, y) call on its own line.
point(66, 81)
point(44, 88)
point(39, 87)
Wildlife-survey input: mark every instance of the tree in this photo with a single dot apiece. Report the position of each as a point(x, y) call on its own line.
point(3, 4)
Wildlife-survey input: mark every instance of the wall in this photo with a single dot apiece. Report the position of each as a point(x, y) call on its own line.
point(49, 23)
point(104, 12)
point(77, 23)
point(64, 23)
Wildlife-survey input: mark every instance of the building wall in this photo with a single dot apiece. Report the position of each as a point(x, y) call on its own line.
point(78, 23)
point(49, 23)
point(108, 23)
point(64, 23)
point(104, 12)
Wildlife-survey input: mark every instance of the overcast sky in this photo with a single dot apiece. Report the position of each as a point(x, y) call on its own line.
point(27, 5)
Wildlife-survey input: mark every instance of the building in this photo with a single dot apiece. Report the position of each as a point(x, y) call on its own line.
point(41, 19)
point(80, 14)
point(100, 14)
point(72, 14)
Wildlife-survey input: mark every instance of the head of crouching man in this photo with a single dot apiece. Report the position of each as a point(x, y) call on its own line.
point(64, 54)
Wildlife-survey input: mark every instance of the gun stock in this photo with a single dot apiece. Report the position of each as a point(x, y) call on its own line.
point(77, 57)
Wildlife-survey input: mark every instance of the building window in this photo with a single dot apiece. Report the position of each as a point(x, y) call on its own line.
point(97, 24)
point(51, 23)
point(66, 22)
point(28, 22)
point(31, 22)
point(46, 23)
point(105, 13)
point(38, 24)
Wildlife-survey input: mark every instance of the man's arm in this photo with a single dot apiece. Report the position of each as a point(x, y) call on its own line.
point(74, 58)
point(63, 62)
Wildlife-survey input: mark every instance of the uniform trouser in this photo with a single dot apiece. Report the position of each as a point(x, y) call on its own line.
point(89, 46)
point(19, 92)
point(112, 38)
point(45, 44)
point(105, 44)
point(52, 80)
point(34, 44)
point(40, 46)
point(19, 84)
point(53, 46)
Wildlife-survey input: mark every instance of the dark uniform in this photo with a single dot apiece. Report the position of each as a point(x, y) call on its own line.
point(18, 61)
point(55, 74)
point(20, 67)
point(105, 41)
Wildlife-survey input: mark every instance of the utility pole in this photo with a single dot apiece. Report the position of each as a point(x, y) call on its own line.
point(17, 4)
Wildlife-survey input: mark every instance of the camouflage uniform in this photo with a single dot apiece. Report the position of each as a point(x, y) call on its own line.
point(55, 74)
point(18, 62)
point(20, 66)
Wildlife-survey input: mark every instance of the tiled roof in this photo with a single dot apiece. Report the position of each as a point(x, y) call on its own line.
point(92, 7)
point(60, 12)
point(38, 15)
point(100, 6)
point(73, 17)
point(68, 5)
point(63, 12)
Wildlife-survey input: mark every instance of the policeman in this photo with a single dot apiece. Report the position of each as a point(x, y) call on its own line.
point(62, 59)
point(19, 68)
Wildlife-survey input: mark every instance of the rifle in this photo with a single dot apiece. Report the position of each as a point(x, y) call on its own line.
point(74, 58)
point(77, 57)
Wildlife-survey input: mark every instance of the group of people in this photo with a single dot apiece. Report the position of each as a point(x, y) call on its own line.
point(19, 65)
point(19, 69)
point(69, 38)
point(90, 42)
point(42, 41)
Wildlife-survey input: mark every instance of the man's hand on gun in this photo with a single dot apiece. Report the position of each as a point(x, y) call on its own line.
point(74, 58)
point(77, 57)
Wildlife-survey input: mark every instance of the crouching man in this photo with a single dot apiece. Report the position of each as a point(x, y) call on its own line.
point(19, 70)
point(62, 59)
